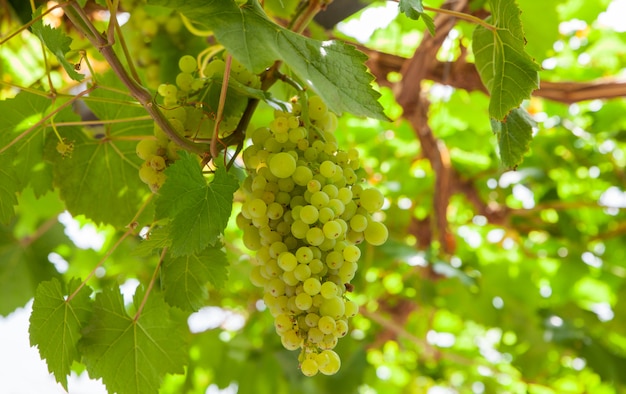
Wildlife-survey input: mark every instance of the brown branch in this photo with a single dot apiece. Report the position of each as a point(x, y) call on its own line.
point(415, 109)
point(463, 75)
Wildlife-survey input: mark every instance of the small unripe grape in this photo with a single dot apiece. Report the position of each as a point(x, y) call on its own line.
point(146, 148)
point(187, 64)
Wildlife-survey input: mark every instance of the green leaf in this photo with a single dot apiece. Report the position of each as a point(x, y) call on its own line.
point(106, 168)
point(56, 322)
point(198, 212)
point(185, 278)
point(23, 264)
point(335, 71)
point(9, 186)
point(24, 155)
point(57, 42)
point(514, 135)
point(505, 68)
point(157, 239)
point(414, 9)
point(132, 355)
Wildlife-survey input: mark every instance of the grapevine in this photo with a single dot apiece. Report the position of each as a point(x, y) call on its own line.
point(304, 214)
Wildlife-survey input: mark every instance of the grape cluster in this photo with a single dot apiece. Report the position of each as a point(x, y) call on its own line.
point(142, 30)
point(304, 214)
point(189, 106)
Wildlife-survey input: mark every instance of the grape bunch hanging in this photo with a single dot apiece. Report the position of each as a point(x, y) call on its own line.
point(304, 213)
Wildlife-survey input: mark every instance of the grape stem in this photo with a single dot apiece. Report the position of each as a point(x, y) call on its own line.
point(78, 17)
point(220, 106)
point(150, 286)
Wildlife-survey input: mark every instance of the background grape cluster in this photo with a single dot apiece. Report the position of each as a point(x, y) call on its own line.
point(304, 214)
point(190, 107)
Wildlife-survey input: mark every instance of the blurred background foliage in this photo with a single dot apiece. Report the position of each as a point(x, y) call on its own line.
point(496, 280)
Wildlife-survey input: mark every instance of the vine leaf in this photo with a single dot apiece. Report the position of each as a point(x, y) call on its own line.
point(157, 239)
point(505, 68)
point(24, 264)
point(334, 70)
point(185, 278)
point(98, 167)
point(57, 42)
point(414, 9)
point(56, 322)
point(21, 163)
point(132, 355)
point(514, 135)
point(9, 186)
point(198, 212)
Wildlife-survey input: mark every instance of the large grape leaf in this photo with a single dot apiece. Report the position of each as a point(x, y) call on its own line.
point(57, 42)
point(99, 179)
point(56, 322)
point(132, 355)
point(335, 71)
point(514, 135)
point(198, 211)
point(505, 68)
point(185, 278)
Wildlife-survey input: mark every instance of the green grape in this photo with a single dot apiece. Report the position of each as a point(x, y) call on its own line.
point(376, 233)
point(257, 208)
point(371, 199)
point(167, 90)
point(304, 255)
point(302, 272)
point(352, 308)
point(358, 223)
point(282, 165)
point(256, 278)
point(315, 335)
point(275, 211)
point(157, 163)
point(319, 199)
point(309, 214)
point(187, 64)
point(327, 324)
point(328, 169)
point(215, 68)
point(302, 175)
point(317, 266)
point(311, 320)
point(328, 290)
point(334, 260)
point(184, 81)
point(283, 323)
point(317, 108)
point(304, 301)
point(312, 286)
point(147, 174)
point(287, 261)
point(333, 307)
point(332, 229)
point(315, 236)
point(351, 253)
point(333, 364)
point(341, 328)
point(149, 27)
point(147, 148)
point(309, 367)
